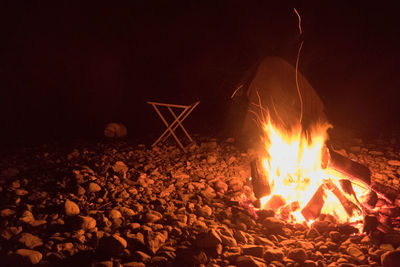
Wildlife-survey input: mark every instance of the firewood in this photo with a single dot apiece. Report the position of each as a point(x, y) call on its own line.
point(387, 192)
point(347, 204)
point(312, 210)
point(347, 187)
point(259, 179)
point(349, 168)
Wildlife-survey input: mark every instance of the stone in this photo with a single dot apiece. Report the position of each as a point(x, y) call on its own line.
point(155, 240)
point(87, 223)
point(120, 166)
point(391, 259)
point(7, 213)
point(134, 264)
point(71, 208)
point(114, 214)
point(208, 239)
point(152, 216)
point(9, 232)
point(252, 250)
point(31, 256)
point(30, 241)
point(394, 162)
point(140, 256)
point(94, 188)
point(112, 245)
point(297, 254)
point(249, 261)
point(273, 254)
point(103, 264)
point(204, 211)
point(356, 254)
point(309, 263)
point(273, 225)
point(211, 159)
point(190, 257)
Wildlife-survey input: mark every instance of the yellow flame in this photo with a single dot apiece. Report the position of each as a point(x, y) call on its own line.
point(293, 167)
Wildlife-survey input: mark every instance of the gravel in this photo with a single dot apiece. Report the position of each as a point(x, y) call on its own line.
point(118, 204)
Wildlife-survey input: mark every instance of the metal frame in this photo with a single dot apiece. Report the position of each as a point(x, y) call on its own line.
point(176, 123)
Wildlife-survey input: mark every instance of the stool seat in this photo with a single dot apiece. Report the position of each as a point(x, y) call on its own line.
point(177, 122)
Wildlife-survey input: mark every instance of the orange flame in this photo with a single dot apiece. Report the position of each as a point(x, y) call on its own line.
point(293, 166)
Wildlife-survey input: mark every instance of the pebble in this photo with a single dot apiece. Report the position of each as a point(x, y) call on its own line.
point(297, 254)
point(30, 241)
point(32, 256)
point(94, 188)
point(71, 208)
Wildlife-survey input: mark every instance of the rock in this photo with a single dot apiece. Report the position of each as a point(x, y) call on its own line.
point(80, 191)
point(134, 264)
point(297, 254)
point(152, 216)
point(114, 214)
point(27, 217)
point(84, 222)
point(209, 239)
point(221, 186)
point(204, 211)
point(190, 257)
point(120, 166)
point(309, 263)
point(211, 159)
point(249, 261)
point(208, 193)
point(140, 256)
point(392, 238)
point(154, 240)
point(252, 250)
point(335, 236)
point(71, 208)
point(31, 256)
point(391, 259)
point(312, 233)
point(103, 264)
point(94, 188)
point(30, 241)
point(259, 240)
point(273, 225)
point(356, 254)
point(273, 254)
point(7, 213)
point(9, 232)
point(112, 245)
point(394, 162)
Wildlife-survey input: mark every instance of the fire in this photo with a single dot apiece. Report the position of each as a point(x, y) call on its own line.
point(295, 165)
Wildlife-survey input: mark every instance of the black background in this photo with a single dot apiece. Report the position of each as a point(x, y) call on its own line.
point(67, 68)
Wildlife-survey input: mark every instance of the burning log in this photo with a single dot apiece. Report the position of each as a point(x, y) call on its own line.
point(347, 187)
point(349, 168)
point(348, 206)
point(259, 180)
point(388, 192)
point(313, 208)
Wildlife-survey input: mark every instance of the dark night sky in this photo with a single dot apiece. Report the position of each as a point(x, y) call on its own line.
point(66, 69)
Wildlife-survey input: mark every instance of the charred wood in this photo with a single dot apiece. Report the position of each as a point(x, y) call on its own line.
point(259, 180)
point(313, 208)
point(387, 192)
point(349, 168)
point(347, 204)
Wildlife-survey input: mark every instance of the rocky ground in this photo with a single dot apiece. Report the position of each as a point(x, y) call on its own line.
point(116, 204)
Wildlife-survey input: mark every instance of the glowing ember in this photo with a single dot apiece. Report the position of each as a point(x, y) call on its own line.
point(295, 165)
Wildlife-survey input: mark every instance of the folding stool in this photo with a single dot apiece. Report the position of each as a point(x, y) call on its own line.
point(171, 127)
